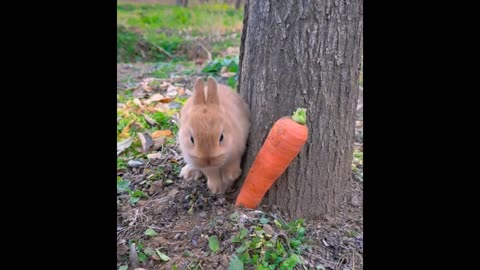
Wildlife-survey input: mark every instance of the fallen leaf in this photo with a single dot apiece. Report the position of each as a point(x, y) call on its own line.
point(172, 91)
point(235, 263)
point(158, 143)
point(164, 85)
point(121, 146)
point(146, 140)
point(150, 232)
point(150, 120)
point(161, 107)
point(156, 97)
point(138, 102)
point(157, 155)
point(228, 74)
point(213, 243)
point(174, 105)
point(180, 91)
point(139, 93)
point(125, 132)
point(162, 256)
point(166, 100)
point(145, 84)
point(160, 133)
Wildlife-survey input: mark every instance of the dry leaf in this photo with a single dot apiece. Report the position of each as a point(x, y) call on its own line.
point(156, 97)
point(149, 119)
point(125, 132)
point(139, 93)
point(145, 83)
point(146, 141)
point(164, 85)
point(158, 143)
point(157, 155)
point(180, 91)
point(166, 100)
point(137, 102)
point(161, 107)
point(160, 133)
point(228, 74)
point(121, 146)
point(172, 91)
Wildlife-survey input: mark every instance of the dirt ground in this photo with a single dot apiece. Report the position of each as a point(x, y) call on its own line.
point(184, 213)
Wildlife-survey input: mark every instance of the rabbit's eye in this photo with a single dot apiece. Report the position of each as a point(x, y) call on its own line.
point(221, 137)
point(191, 139)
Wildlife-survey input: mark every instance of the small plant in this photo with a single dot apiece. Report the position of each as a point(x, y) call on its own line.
point(214, 67)
point(135, 196)
point(265, 249)
point(213, 243)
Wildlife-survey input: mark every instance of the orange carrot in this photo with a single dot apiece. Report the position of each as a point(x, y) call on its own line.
point(283, 143)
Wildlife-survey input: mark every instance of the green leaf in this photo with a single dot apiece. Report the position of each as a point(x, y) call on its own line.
point(243, 233)
point(149, 251)
point(235, 263)
point(138, 193)
point(174, 267)
point(122, 185)
point(300, 116)
point(295, 243)
point(141, 256)
point(301, 231)
point(243, 247)
point(150, 232)
point(263, 220)
point(123, 267)
point(234, 216)
point(213, 243)
point(134, 200)
point(319, 267)
point(162, 256)
point(278, 224)
point(290, 262)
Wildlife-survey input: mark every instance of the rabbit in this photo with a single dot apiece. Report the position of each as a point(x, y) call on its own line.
point(213, 133)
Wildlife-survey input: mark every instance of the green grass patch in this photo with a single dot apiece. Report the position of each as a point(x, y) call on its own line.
point(142, 28)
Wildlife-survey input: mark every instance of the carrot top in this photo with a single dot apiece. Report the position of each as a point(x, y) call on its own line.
point(300, 116)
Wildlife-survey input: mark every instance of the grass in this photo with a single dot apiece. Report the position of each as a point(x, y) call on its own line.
point(142, 28)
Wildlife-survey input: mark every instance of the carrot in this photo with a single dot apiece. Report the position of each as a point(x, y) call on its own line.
point(283, 143)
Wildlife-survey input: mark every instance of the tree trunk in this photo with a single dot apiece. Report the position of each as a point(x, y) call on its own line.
point(185, 3)
point(304, 54)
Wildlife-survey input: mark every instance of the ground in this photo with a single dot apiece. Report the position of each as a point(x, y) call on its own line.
point(164, 222)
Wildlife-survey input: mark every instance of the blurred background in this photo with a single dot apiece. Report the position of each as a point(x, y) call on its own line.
point(171, 38)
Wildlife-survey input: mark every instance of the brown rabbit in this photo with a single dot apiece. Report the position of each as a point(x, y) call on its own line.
point(214, 126)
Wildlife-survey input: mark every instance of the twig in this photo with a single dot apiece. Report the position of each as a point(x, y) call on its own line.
point(133, 256)
point(200, 264)
point(340, 262)
point(163, 50)
point(353, 260)
point(208, 53)
point(284, 237)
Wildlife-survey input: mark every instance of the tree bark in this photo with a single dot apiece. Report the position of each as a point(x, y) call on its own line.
point(304, 54)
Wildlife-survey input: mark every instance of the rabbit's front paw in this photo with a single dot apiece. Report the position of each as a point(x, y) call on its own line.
point(189, 173)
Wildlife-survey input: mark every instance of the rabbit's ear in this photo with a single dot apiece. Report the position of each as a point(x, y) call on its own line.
point(212, 94)
point(198, 93)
